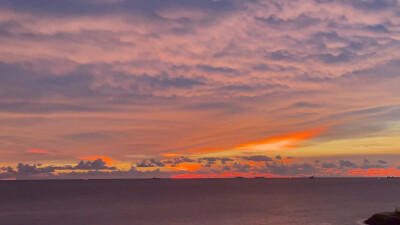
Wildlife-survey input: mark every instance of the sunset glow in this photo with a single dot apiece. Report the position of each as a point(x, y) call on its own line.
point(199, 88)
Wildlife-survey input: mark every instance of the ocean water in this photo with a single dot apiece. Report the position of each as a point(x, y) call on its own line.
point(320, 201)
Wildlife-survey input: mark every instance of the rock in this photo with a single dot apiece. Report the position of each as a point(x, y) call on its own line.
point(385, 218)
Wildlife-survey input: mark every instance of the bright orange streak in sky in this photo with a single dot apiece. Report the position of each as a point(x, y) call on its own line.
point(108, 160)
point(38, 151)
point(185, 166)
point(171, 154)
point(277, 143)
point(282, 142)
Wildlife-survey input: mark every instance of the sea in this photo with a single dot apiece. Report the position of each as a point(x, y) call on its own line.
point(241, 201)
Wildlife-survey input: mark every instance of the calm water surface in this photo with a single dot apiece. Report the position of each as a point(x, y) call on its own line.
point(321, 201)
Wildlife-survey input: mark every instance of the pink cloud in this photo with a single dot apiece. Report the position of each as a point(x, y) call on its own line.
point(38, 151)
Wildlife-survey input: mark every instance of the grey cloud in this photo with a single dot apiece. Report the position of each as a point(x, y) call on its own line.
point(258, 158)
point(117, 174)
point(291, 170)
point(327, 36)
point(33, 169)
point(97, 164)
point(144, 163)
point(29, 87)
point(348, 164)
point(33, 107)
point(378, 28)
point(157, 162)
point(379, 164)
point(152, 163)
point(212, 160)
point(164, 81)
point(27, 171)
point(328, 165)
point(226, 168)
point(373, 166)
point(209, 160)
point(382, 161)
point(241, 167)
point(373, 5)
point(262, 67)
point(97, 174)
point(183, 159)
point(343, 57)
point(8, 170)
point(283, 55)
point(300, 22)
point(367, 5)
point(313, 79)
point(305, 105)
point(146, 8)
point(212, 69)
point(224, 160)
point(176, 161)
point(278, 157)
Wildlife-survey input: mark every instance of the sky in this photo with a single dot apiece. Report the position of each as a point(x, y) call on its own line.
point(199, 88)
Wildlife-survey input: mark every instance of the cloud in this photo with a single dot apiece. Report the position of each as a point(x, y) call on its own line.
point(209, 160)
point(378, 165)
point(33, 169)
point(99, 159)
point(300, 22)
point(382, 161)
point(212, 69)
point(347, 163)
point(328, 165)
point(38, 151)
point(378, 28)
point(224, 160)
point(258, 158)
point(151, 163)
point(144, 163)
point(97, 164)
point(207, 167)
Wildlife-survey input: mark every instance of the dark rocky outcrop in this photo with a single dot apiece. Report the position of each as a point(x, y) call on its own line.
point(385, 218)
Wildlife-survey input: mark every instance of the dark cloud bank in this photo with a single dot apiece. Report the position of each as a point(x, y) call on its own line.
point(97, 169)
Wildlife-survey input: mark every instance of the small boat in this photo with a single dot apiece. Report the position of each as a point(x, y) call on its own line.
point(259, 177)
point(389, 176)
point(312, 177)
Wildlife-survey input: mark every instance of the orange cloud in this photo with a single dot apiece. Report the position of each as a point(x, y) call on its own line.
point(277, 143)
point(286, 160)
point(375, 172)
point(282, 142)
point(171, 154)
point(38, 151)
point(108, 160)
point(185, 166)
